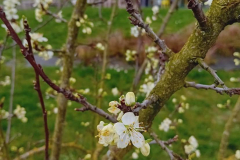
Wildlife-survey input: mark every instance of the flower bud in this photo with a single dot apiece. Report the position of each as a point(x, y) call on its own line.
point(130, 99)
point(145, 149)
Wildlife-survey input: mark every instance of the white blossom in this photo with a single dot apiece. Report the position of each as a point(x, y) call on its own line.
point(155, 9)
point(128, 130)
point(107, 134)
point(145, 149)
point(134, 155)
point(146, 88)
point(100, 47)
point(60, 16)
point(130, 99)
point(134, 31)
point(115, 91)
point(113, 107)
point(20, 112)
point(88, 156)
point(237, 154)
point(3, 114)
point(130, 55)
point(165, 125)
point(6, 82)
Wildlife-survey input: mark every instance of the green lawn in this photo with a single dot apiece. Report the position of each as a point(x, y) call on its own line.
point(203, 120)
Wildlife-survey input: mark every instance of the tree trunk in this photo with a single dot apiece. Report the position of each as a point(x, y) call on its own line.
point(66, 74)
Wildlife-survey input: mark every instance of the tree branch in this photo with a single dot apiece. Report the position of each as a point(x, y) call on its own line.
point(196, 7)
point(167, 18)
point(171, 154)
point(229, 91)
point(136, 19)
point(218, 81)
point(37, 87)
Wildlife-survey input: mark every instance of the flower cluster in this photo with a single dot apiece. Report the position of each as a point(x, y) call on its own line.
point(226, 105)
point(165, 125)
point(10, 9)
point(41, 6)
point(153, 62)
point(20, 112)
point(127, 130)
point(135, 31)
point(181, 106)
point(100, 47)
point(155, 10)
point(191, 146)
point(85, 24)
point(6, 82)
point(3, 114)
point(43, 51)
point(130, 55)
point(236, 61)
point(147, 86)
point(11, 14)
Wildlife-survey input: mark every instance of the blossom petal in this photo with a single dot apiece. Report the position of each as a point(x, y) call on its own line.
point(128, 118)
point(123, 141)
point(120, 128)
point(137, 139)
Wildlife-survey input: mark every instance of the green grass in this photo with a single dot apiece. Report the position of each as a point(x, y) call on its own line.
point(57, 32)
point(203, 120)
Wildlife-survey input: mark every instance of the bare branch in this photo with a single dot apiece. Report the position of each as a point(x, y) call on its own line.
point(37, 87)
point(167, 18)
point(229, 91)
point(168, 142)
point(196, 7)
point(142, 105)
point(136, 19)
point(172, 155)
point(218, 81)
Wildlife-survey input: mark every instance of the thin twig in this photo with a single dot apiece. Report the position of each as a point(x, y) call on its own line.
point(37, 87)
point(136, 19)
point(171, 154)
point(229, 91)
point(10, 110)
point(218, 81)
point(168, 142)
point(167, 18)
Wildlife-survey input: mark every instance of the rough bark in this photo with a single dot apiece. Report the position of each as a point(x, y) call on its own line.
point(220, 14)
point(66, 74)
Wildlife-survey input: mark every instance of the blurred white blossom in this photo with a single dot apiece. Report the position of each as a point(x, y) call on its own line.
point(165, 125)
point(237, 154)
